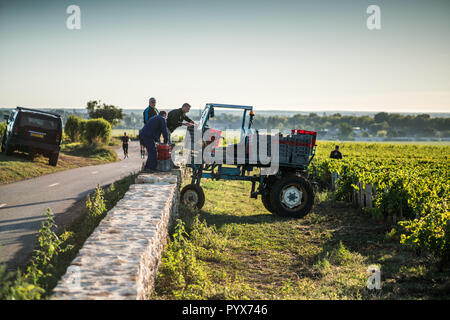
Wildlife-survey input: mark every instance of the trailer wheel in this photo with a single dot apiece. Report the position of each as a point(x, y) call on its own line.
point(192, 195)
point(292, 197)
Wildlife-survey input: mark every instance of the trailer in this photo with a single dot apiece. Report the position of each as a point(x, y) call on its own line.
point(285, 191)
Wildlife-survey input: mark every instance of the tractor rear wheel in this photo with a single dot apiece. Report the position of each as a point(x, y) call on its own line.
point(292, 197)
point(193, 196)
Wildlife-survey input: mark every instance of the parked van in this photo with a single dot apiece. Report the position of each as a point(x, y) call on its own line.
point(33, 131)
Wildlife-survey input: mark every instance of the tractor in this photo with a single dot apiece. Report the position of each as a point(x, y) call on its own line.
point(280, 178)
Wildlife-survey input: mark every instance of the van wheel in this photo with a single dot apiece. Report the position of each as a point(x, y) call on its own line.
point(31, 155)
point(8, 149)
point(53, 160)
point(2, 145)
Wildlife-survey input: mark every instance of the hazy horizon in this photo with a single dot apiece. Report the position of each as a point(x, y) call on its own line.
point(285, 55)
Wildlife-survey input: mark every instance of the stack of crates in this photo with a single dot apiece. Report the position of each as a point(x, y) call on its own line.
point(295, 148)
point(284, 149)
point(302, 143)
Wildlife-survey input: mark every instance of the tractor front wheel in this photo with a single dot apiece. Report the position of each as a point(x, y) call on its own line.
point(193, 196)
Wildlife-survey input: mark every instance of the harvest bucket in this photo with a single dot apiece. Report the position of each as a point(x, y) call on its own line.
point(164, 162)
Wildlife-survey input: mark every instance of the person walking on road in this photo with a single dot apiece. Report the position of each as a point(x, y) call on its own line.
point(142, 145)
point(125, 139)
point(151, 110)
point(151, 134)
point(336, 154)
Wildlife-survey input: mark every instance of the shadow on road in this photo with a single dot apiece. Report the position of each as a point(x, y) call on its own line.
point(35, 203)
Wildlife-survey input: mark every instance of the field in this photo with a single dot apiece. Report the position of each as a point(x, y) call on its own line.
point(234, 249)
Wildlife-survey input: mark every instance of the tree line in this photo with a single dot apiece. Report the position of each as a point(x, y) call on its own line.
point(382, 124)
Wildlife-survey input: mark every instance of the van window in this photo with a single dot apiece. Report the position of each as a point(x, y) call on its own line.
point(31, 120)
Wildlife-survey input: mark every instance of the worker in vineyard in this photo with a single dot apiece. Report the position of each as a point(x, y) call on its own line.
point(336, 154)
point(150, 134)
point(151, 110)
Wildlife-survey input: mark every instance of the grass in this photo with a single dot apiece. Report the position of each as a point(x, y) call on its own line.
point(73, 155)
point(241, 251)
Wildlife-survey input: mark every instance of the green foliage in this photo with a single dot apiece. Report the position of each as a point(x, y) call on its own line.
point(411, 183)
point(15, 287)
point(94, 131)
point(341, 255)
point(322, 266)
point(2, 130)
point(49, 247)
point(181, 273)
point(33, 283)
point(431, 232)
point(73, 128)
point(97, 131)
point(110, 113)
point(96, 209)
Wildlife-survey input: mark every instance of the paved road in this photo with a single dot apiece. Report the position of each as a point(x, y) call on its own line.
point(23, 203)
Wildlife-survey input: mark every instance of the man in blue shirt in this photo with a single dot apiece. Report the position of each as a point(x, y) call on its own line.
point(150, 134)
point(151, 110)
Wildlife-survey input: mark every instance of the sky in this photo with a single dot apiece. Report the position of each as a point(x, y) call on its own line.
point(273, 55)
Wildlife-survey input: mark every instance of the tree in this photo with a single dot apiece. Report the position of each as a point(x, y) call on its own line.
point(345, 131)
point(381, 117)
point(110, 113)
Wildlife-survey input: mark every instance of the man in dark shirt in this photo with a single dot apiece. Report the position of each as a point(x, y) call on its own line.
point(125, 139)
point(151, 110)
point(336, 154)
point(176, 117)
point(150, 134)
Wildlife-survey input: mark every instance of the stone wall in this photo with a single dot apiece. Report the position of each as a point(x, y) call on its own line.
point(120, 258)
